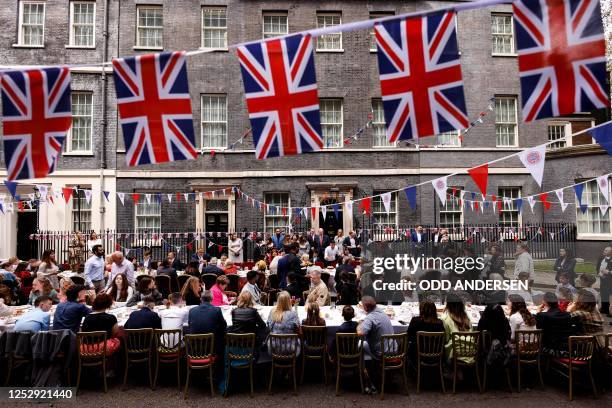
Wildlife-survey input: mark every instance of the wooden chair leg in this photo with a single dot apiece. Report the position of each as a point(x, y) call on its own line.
point(156, 372)
point(78, 381)
point(150, 367)
point(125, 375)
point(592, 381)
point(294, 379)
point(540, 372)
point(325, 368)
point(480, 385)
point(187, 382)
point(484, 382)
point(361, 375)
point(104, 374)
point(442, 378)
point(210, 377)
point(405, 380)
point(508, 379)
point(303, 369)
point(251, 377)
point(228, 374)
point(454, 376)
point(337, 378)
point(10, 370)
point(178, 374)
point(571, 383)
point(419, 377)
point(271, 378)
point(382, 384)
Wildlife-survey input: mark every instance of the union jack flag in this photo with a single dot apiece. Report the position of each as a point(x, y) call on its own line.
point(420, 76)
point(561, 56)
point(155, 108)
point(281, 95)
point(36, 117)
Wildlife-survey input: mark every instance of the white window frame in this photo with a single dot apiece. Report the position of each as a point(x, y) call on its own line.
point(278, 214)
point(501, 191)
point(68, 145)
point(454, 135)
point(374, 15)
point(20, 42)
point(143, 202)
point(320, 39)
point(377, 201)
point(341, 123)
point(512, 53)
point(221, 29)
point(87, 211)
point(273, 14)
point(71, 43)
point(443, 209)
point(209, 147)
point(515, 123)
point(590, 189)
point(566, 141)
point(139, 8)
point(377, 125)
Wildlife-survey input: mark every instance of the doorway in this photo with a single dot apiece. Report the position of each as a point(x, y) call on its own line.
point(216, 222)
point(332, 223)
point(27, 224)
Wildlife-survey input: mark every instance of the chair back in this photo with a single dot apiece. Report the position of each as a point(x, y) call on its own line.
point(320, 264)
point(349, 346)
point(314, 339)
point(138, 341)
point(209, 279)
point(430, 345)
point(528, 344)
point(248, 265)
point(466, 344)
point(581, 348)
point(393, 348)
point(164, 284)
point(283, 346)
point(240, 346)
point(167, 341)
point(325, 278)
point(274, 281)
point(182, 280)
point(27, 281)
point(78, 280)
point(199, 346)
point(608, 347)
point(233, 285)
point(91, 345)
point(139, 278)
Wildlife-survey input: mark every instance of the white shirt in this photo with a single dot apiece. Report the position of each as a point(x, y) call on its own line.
point(517, 323)
point(174, 318)
point(126, 268)
point(524, 263)
point(331, 253)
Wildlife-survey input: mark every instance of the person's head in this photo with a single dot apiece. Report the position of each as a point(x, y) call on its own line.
point(456, 310)
point(348, 313)
point(312, 313)
point(495, 250)
point(206, 296)
point(607, 251)
point(44, 303)
point(200, 251)
point(120, 281)
point(76, 293)
point(315, 276)
point(146, 254)
point(149, 302)
point(102, 302)
point(344, 276)
point(48, 256)
point(98, 250)
point(586, 280)
point(562, 253)
point(214, 261)
point(65, 284)
point(332, 244)
point(229, 263)
point(171, 256)
point(277, 231)
point(146, 285)
point(222, 281)
point(320, 231)
point(419, 229)
point(305, 258)
point(522, 247)
point(369, 303)
point(165, 263)
point(93, 236)
point(21, 266)
point(175, 299)
point(585, 300)
point(42, 286)
point(117, 257)
point(550, 300)
point(523, 276)
point(245, 299)
point(517, 305)
point(566, 294)
point(252, 277)
point(427, 311)
point(564, 278)
point(283, 302)
point(261, 265)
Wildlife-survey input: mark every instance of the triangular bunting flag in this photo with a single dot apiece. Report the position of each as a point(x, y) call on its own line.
point(365, 205)
point(121, 197)
point(411, 196)
point(186, 195)
point(545, 203)
point(578, 188)
point(440, 186)
point(106, 195)
point(533, 160)
point(313, 212)
point(602, 182)
point(1, 208)
point(148, 198)
point(603, 135)
point(87, 196)
point(519, 204)
point(336, 208)
point(67, 193)
point(386, 199)
point(324, 212)
point(349, 207)
point(531, 201)
point(135, 198)
point(603, 209)
point(169, 195)
point(564, 206)
point(480, 175)
point(559, 193)
point(11, 186)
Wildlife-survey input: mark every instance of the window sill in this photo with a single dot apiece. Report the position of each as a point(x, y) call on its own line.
point(80, 47)
point(213, 49)
point(340, 51)
point(82, 154)
point(27, 46)
point(593, 237)
point(215, 149)
point(514, 55)
point(141, 48)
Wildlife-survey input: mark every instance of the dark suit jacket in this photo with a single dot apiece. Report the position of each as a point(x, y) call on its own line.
point(213, 269)
point(414, 237)
point(196, 258)
point(207, 318)
point(144, 318)
point(567, 267)
point(347, 242)
point(556, 327)
point(320, 246)
point(177, 265)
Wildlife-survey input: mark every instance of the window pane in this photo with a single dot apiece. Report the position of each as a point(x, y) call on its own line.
point(381, 219)
point(275, 25)
point(331, 122)
point(451, 212)
point(592, 221)
point(556, 132)
point(214, 121)
point(82, 117)
point(32, 23)
point(502, 34)
point(379, 128)
point(83, 24)
point(81, 211)
point(148, 216)
point(150, 27)
point(273, 220)
point(372, 35)
point(332, 41)
point(449, 139)
point(505, 121)
point(214, 28)
point(509, 215)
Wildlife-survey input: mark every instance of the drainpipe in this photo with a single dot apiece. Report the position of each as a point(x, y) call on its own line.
point(104, 114)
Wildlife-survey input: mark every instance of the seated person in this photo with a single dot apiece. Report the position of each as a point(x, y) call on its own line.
point(246, 319)
point(145, 318)
point(37, 319)
point(191, 291)
point(556, 325)
point(313, 317)
point(176, 315)
point(252, 288)
point(206, 318)
point(229, 268)
point(520, 317)
point(146, 288)
point(42, 287)
point(68, 314)
point(426, 321)
point(564, 283)
point(586, 282)
point(293, 288)
point(100, 320)
point(347, 290)
point(218, 291)
point(347, 326)
point(586, 316)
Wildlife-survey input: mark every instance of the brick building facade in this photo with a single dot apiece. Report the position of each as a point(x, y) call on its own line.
point(86, 31)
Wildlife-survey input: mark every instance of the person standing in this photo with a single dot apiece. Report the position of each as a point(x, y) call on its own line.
point(321, 241)
point(235, 248)
point(277, 239)
point(604, 271)
point(565, 263)
point(94, 269)
point(523, 261)
point(48, 268)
